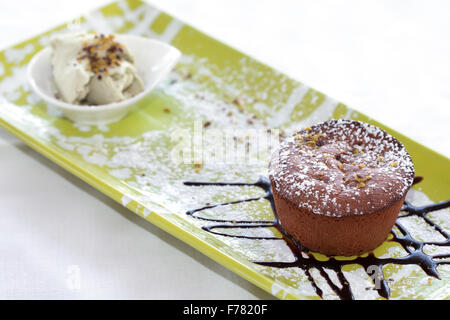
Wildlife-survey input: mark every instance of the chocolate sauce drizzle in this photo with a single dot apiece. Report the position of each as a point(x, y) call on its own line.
point(306, 261)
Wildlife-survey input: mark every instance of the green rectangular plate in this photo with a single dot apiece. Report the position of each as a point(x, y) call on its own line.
point(131, 161)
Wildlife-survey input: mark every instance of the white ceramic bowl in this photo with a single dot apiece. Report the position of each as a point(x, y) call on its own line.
point(154, 59)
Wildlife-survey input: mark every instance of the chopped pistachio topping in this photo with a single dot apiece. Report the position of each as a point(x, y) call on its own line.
point(102, 52)
point(198, 163)
point(361, 180)
point(310, 139)
point(393, 164)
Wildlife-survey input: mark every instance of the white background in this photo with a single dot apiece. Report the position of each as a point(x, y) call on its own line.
point(388, 59)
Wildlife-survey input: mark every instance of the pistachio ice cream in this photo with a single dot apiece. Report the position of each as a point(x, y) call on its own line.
point(93, 69)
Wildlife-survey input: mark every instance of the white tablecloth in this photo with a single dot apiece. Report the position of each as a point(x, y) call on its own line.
point(60, 238)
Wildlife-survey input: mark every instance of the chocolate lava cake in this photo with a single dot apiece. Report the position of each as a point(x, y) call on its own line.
point(339, 185)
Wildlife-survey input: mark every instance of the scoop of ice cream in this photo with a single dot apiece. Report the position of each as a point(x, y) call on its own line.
point(93, 69)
